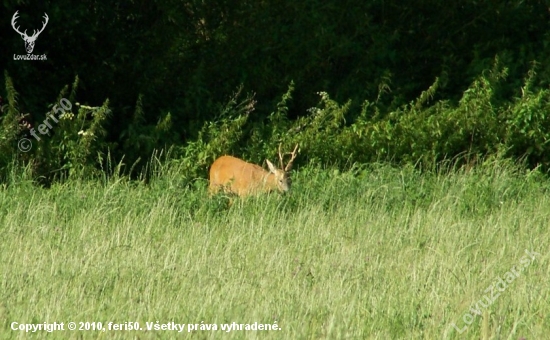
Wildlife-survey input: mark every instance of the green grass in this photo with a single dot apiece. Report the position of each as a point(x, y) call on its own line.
point(380, 253)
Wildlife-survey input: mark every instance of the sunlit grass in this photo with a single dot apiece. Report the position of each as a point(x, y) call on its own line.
point(380, 253)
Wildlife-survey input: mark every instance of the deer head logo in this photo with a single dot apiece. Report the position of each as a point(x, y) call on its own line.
point(29, 40)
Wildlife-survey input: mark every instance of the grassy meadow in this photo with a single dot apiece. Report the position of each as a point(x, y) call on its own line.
point(374, 253)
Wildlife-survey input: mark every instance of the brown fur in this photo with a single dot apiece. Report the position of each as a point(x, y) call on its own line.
point(236, 176)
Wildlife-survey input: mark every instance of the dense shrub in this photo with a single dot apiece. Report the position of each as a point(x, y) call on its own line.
point(423, 132)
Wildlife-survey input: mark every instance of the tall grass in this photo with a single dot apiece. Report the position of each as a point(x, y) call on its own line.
point(374, 253)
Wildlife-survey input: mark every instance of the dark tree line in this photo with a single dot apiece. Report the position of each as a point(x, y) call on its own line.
point(185, 58)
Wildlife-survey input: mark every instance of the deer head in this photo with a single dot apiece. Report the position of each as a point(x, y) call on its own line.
point(29, 40)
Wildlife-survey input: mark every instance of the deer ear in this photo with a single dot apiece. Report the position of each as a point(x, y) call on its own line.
point(272, 168)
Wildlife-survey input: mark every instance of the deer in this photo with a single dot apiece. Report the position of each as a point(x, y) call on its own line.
point(236, 176)
point(29, 40)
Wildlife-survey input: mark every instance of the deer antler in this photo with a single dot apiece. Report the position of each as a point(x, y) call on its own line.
point(35, 34)
point(293, 157)
point(13, 19)
point(281, 163)
point(43, 25)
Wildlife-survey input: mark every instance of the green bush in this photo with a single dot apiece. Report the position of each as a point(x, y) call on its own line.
point(423, 133)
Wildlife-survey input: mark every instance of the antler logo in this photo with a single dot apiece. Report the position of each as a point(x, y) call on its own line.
point(29, 41)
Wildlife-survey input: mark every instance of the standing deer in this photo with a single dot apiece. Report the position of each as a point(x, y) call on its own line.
point(239, 177)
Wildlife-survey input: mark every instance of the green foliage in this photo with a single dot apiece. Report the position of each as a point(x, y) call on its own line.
point(9, 128)
point(175, 61)
point(424, 132)
point(528, 130)
point(75, 136)
point(141, 138)
point(219, 137)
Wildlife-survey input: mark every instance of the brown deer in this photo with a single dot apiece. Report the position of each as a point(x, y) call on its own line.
point(236, 176)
